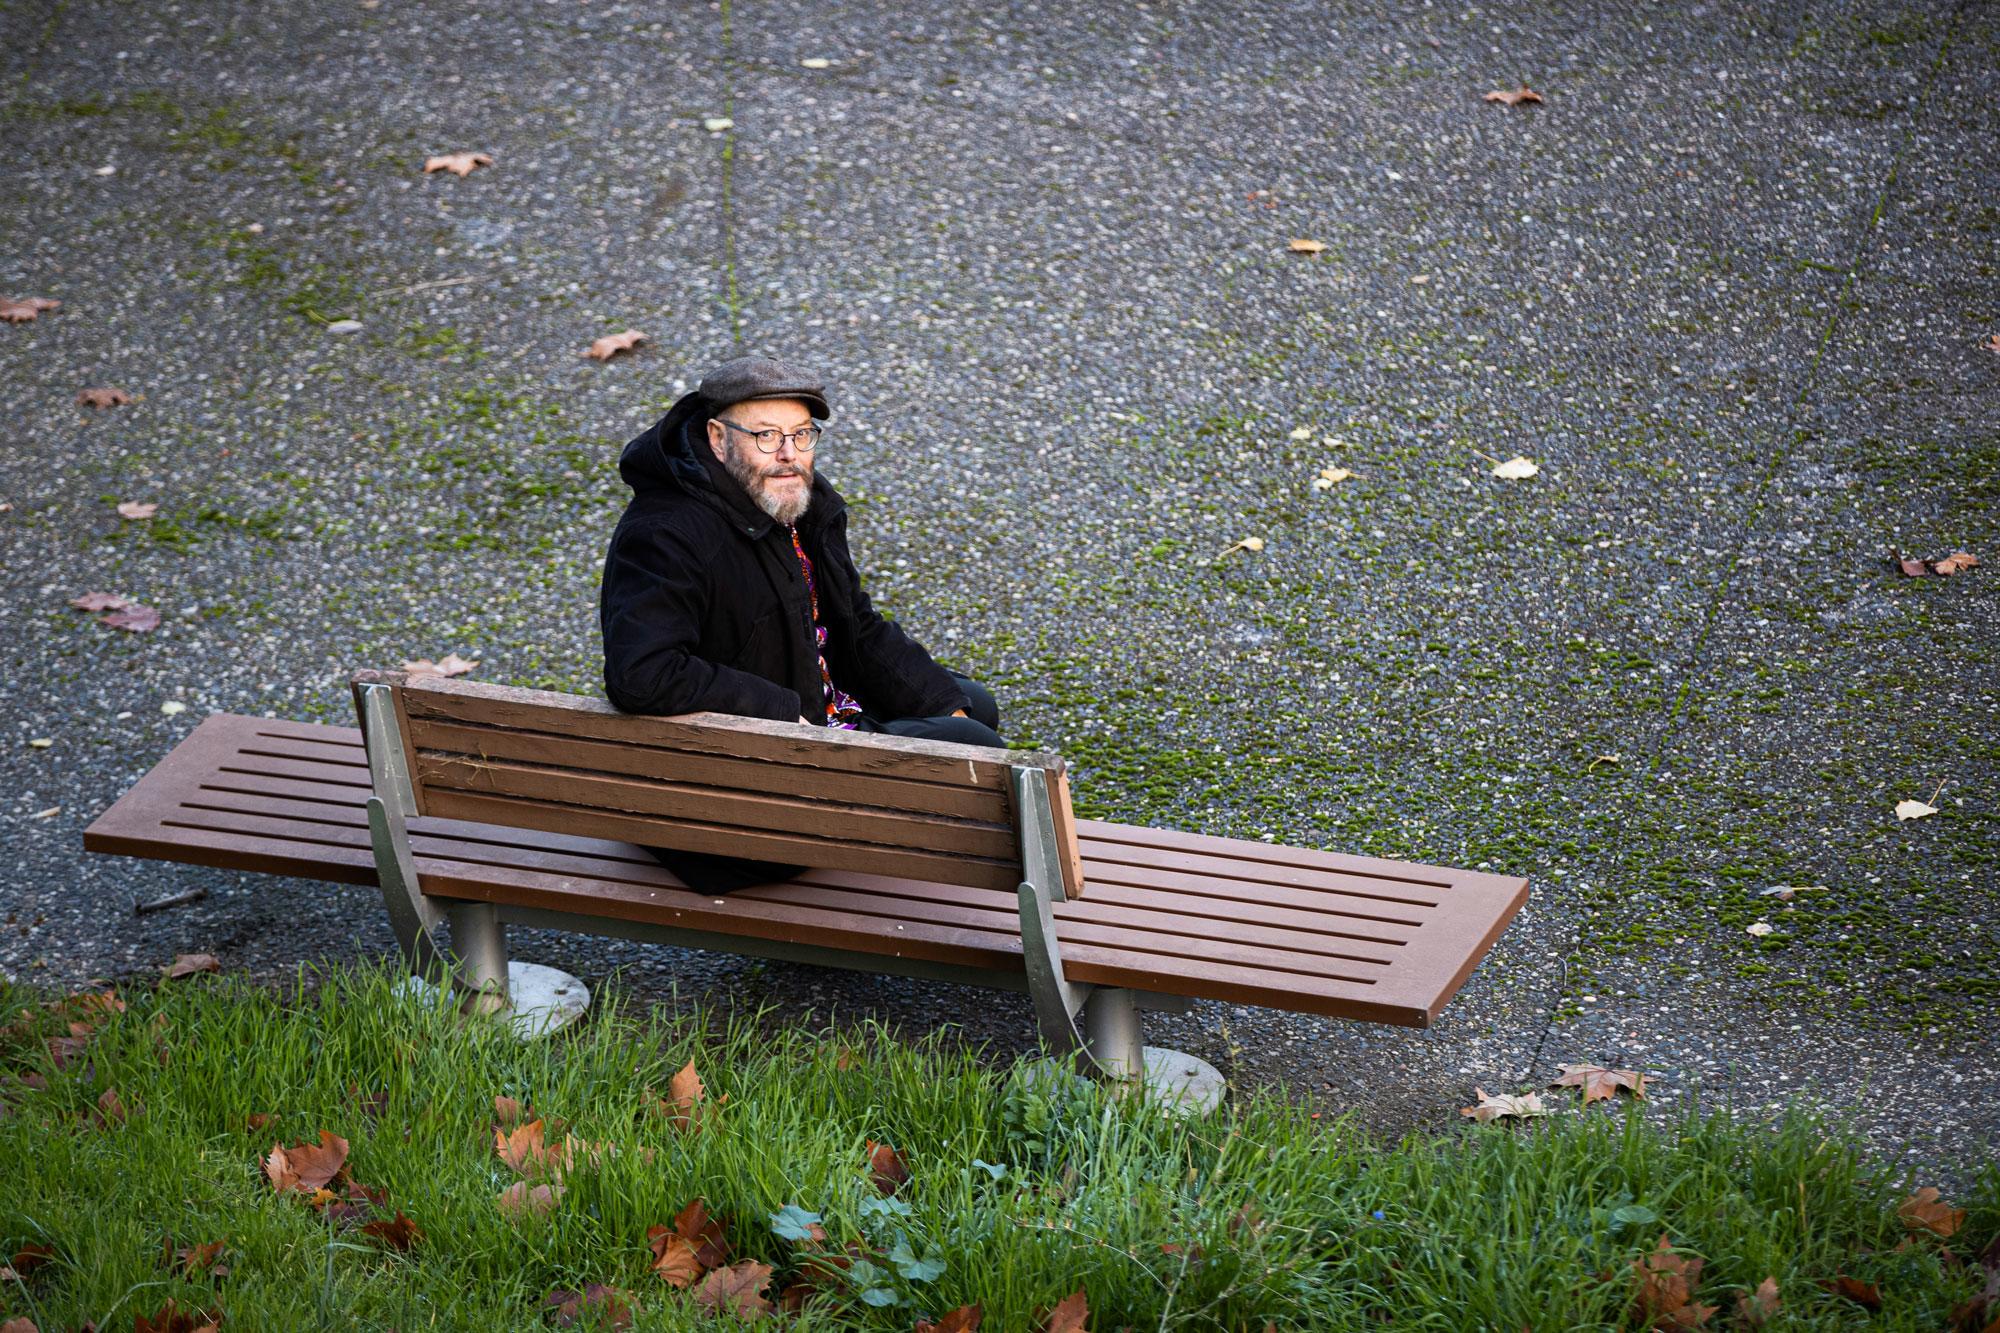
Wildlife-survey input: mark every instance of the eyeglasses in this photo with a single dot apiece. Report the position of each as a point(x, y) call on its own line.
point(768, 441)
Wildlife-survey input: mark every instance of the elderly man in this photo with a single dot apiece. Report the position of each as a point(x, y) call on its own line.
point(728, 587)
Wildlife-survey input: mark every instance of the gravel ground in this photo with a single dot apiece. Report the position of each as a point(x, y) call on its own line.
point(1727, 286)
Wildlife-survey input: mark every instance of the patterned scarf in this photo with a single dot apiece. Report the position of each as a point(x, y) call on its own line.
point(841, 709)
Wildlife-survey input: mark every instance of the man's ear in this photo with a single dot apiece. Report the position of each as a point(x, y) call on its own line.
point(718, 438)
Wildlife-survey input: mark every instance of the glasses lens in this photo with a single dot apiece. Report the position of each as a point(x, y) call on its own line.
point(807, 439)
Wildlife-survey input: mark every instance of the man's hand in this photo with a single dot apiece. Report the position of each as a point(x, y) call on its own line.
point(958, 712)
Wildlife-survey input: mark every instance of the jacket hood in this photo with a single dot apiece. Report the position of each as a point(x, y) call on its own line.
point(672, 454)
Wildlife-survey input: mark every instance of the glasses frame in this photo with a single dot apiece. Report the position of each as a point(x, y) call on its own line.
point(796, 438)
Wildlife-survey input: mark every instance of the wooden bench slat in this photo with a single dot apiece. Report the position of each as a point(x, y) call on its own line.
point(748, 775)
point(686, 804)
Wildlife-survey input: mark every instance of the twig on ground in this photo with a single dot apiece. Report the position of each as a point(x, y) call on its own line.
point(424, 286)
point(172, 900)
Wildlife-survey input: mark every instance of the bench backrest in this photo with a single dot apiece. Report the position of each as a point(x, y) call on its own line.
point(733, 786)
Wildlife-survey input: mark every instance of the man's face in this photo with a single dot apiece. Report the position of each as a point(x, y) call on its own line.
point(780, 483)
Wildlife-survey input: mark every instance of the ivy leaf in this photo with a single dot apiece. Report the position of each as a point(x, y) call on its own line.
point(993, 1169)
point(913, 1269)
point(795, 1224)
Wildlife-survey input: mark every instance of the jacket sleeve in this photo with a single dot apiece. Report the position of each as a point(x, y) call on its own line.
point(650, 611)
point(891, 671)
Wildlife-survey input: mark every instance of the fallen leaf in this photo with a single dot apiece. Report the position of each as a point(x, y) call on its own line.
point(137, 509)
point(1515, 469)
point(1784, 893)
point(138, 619)
point(506, 1110)
point(1854, 1289)
point(111, 1110)
point(21, 1324)
point(717, 124)
point(306, 1167)
point(1302, 432)
point(613, 343)
point(257, 1121)
point(197, 1259)
point(32, 1256)
point(187, 964)
point(815, 62)
point(341, 326)
point(170, 1318)
point(100, 601)
point(1914, 810)
point(1330, 477)
point(1071, 1314)
point(1758, 928)
point(684, 1097)
point(1247, 544)
point(1955, 562)
point(458, 164)
point(103, 396)
point(1915, 569)
point(173, 708)
point(1599, 1083)
point(24, 309)
point(1302, 246)
point(451, 664)
point(737, 1289)
point(885, 1169)
point(965, 1319)
point(597, 1306)
point(399, 1233)
point(1923, 1211)
point(1756, 1308)
point(707, 1234)
point(674, 1258)
point(525, 1151)
point(1493, 1108)
point(1667, 1283)
point(521, 1199)
point(41, 743)
point(1521, 94)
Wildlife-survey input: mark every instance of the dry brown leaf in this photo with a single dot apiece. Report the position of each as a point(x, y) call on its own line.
point(674, 1258)
point(110, 1109)
point(737, 1289)
point(596, 1306)
point(170, 1318)
point(1667, 1283)
point(1992, 343)
point(103, 396)
point(306, 1167)
point(1515, 469)
point(1251, 544)
point(506, 1110)
point(24, 309)
point(1521, 94)
point(32, 1256)
point(1757, 1308)
point(138, 619)
point(613, 343)
point(19, 1324)
point(451, 664)
point(527, 1153)
point(1071, 1314)
point(100, 601)
point(458, 164)
point(1300, 245)
point(188, 964)
point(1953, 563)
point(521, 1199)
point(137, 509)
point(198, 1259)
point(885, 1168)
point(398, 1234)
point(965, 1319)
point(1863, 1294)
point(707, 1234)
point(1492, 1108)
point(1915, 569)
point(1924, 1211)
point(1912, 809)
point(1598, 1082)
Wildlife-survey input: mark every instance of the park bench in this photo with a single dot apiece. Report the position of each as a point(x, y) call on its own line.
point(482, 806)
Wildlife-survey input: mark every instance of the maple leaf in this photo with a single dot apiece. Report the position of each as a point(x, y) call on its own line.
point(1598, 1082)
point(1301, 245)
point(400, 1233)
point(138, 619)
point(136, 509)
point(21, 1324)
point(188, 964)
point(520, 1199)
point(525, 1152)
point(170, 1318)
point(737, 1289)
point(1071, 1314)
point(111, 1110)
point(1863, 1294)
point(451, 664)
point(24, 309)
point(1667, 1282)
point(611, 344)
point(674, 1257)
point(100, 601)
point(256, 1121)
point(507, 1111)
point(103, 397)
point(1953, 563)
point(707, 1234)
point(1493, 1108)
point(965, 1319)
point(1757, 1308)
point(203, 1259)
point(458, 164)
point(32, 1256)
point(596, 1304)
point(306, 1168)
point(1923, 1211)
point(1521, 94)
point(885, 1169)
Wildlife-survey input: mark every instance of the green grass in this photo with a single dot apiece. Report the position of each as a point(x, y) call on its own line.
point(1025, 1192)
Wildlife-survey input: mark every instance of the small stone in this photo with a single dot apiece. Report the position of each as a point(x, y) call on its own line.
point(344, 326)
point(41, 743)
point(173, 708)
point(815, 62)
point(716, 124)
point(1758, 928)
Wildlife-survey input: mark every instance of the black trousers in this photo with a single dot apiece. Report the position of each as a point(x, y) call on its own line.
point(705, 873)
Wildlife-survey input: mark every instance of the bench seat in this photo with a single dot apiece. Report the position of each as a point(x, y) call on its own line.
point(1166, 913)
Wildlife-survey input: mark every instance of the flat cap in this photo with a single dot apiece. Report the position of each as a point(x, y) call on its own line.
point(749, 377)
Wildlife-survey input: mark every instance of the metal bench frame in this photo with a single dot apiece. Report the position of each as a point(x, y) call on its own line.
point(1097, 1028)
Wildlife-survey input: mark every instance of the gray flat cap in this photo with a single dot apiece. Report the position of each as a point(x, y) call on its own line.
point(749, 377)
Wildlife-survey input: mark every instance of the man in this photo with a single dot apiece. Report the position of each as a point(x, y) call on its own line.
point(728, 587)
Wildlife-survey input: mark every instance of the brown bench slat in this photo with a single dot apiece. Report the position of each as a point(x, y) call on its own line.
point(1100, 946)
point(684, 804)
point(698, 770)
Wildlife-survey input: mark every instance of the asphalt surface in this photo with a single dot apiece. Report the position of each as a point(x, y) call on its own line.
point(1727, 286)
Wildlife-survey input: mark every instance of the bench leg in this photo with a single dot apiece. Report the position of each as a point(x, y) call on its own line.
point(1182, 1082)
point(480, 942)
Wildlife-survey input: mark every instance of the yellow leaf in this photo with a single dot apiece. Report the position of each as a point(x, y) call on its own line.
point(1302, 246)
point(1515, 469)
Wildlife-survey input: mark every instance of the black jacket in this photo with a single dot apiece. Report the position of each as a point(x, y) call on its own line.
point(704, 608)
